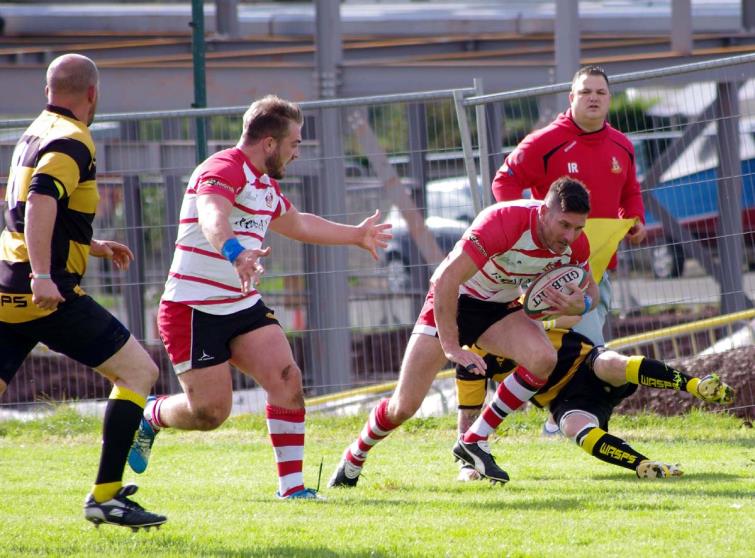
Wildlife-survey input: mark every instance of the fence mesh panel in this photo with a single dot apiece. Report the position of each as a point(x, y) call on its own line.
point(144, 162)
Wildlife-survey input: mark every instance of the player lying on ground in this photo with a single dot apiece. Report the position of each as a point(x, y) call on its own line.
point(582, 392)
point(474, 297)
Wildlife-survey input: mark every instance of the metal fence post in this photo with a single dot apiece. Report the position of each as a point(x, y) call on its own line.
point(730, 237)
point(200, 76)
point(328, 288)
point(134, 289)
point(420, 274)
point(466, 145)
point(486, 193)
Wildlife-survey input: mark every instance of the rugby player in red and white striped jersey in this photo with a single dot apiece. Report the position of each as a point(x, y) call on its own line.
point(473, 297)
point(211, 312)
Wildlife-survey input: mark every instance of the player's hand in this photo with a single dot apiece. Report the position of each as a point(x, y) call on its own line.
point(249, 268)
point(568, 302)
point(111, 250)
point(473, 362)
point(374, 234)
point(637, 233)
point(45, 294)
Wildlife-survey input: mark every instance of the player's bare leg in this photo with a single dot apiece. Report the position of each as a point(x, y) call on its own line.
point(206, 400)
point(423, 359)
point(536, 356)
point(265, 355)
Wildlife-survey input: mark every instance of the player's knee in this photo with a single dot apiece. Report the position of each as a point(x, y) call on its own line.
point(210, 417)
point(575, 422)
point(143, 375)
point(151, 372)
point(610, 367)
point(3, 387)
point(290, 374)
point(543, 362)
point(291, 384)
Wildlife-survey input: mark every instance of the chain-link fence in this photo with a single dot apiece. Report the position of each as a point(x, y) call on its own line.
point(693, 130)
point(348, 317)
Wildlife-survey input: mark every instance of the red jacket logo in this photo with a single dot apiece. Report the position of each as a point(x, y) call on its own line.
point(615, 166)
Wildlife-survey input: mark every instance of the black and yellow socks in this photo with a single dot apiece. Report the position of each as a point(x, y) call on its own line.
point(654, 373)
point(122, 416)
point(608, 448)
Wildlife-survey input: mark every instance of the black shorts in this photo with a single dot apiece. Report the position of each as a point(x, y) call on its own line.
point(586, 392)
point(80, 329)
point(473, 316)
point(196, 339)
point(471, 388)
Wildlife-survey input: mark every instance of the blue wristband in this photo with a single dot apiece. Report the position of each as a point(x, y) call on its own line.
point(588, 303)
point(231, 249)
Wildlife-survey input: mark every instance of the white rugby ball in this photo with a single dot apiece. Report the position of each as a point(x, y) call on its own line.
point(534, 302)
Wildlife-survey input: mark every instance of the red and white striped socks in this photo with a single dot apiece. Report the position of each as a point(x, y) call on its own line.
point(152, 412)
point(286, 427)
point(513, 392)
point(375, 429)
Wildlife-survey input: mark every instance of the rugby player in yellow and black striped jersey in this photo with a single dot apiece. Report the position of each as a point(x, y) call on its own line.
point(55, 158)
point(581, 393)
point(51, 201)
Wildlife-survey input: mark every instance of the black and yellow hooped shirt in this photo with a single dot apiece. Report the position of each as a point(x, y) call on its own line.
point(54, 157)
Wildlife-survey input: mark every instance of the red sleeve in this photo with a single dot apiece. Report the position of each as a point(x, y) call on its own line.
point(580, 252)
point(221, 177)
point(513, 177)
point(283, 204)
point(494, 231)
point(631, 204)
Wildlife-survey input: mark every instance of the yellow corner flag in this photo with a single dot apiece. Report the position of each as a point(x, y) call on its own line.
point(604, 236)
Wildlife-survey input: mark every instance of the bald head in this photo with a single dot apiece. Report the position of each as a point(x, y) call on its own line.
point(72, 83)
point(71, 74)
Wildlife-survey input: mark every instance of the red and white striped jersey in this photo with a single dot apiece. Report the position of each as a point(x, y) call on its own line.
point(504, 244)
point(200, 276)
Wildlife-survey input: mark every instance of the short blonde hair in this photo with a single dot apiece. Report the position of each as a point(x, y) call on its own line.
point(270, 116)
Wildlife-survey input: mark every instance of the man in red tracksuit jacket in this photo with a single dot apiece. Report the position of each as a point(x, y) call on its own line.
point(580, 143)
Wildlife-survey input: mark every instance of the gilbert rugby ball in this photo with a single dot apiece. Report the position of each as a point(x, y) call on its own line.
point(535, 304)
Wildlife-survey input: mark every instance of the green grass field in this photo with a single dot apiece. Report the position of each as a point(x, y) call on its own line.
point(217, 490)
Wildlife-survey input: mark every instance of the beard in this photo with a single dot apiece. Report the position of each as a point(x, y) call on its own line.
point(274, 166)
point(92, 112)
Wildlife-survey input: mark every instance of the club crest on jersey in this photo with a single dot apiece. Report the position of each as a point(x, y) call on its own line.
point(269, 199)
point(615, 166)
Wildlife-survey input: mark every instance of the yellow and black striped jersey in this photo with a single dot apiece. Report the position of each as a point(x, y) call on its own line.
point(572, 349)
point(54, 157)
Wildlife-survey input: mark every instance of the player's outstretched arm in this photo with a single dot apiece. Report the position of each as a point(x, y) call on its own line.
point(369, 235)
